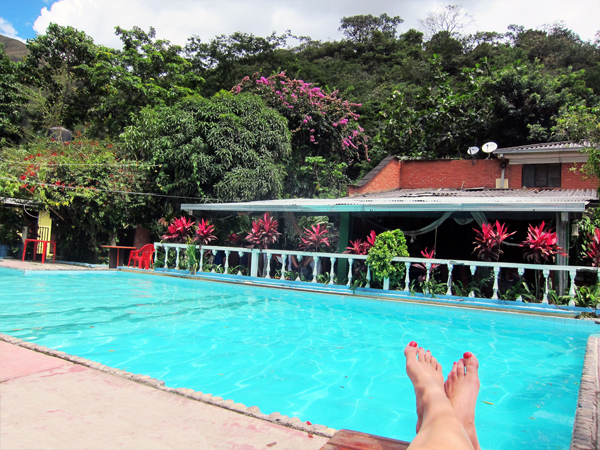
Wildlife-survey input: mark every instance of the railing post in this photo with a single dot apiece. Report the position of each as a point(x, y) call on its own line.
point(368, 277)
point(254, 263)
point(386, 284)
point(427, 278)
point(450, 268)
point(177, 258)
point(155, 253)
point(350, 262)
point(241, 255)
point(496, 276)
point(572, 293)
point(226, 260)
point(407, 278)
point(521, 271)
point(166, 257)
point(268, 269)
point(332, 271)
point(201, 259)
point(546, 273)
point(473, 270)
point(283, 258)
point(315, 269)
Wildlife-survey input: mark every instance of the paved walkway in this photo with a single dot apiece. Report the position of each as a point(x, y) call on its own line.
point(50, 403)
point(48, 265)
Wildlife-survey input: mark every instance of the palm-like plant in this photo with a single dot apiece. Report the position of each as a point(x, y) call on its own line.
point(314, 238)
point(179, 230)
point(264, 232)
point(489, 240)
point(541, 245)
point(204, 233)
point(592, 250)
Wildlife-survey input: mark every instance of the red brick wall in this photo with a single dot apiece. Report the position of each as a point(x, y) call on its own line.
point(570, 179)
point(452, 174)
point(386, 180)
point(457, 174)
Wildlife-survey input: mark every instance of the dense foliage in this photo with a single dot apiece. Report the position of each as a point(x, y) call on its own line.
point(245, 117)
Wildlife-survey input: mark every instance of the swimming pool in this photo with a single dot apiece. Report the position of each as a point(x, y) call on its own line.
point(329, 359)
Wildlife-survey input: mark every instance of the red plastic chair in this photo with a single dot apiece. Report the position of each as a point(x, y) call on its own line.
point(142, 257)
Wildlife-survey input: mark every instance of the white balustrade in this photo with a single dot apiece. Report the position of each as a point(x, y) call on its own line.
point(320, 258)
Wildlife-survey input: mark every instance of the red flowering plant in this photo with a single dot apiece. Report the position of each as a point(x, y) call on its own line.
point(423, 268)
point(233, 239)
point(592, 249)
point(359, 247)
point(489, 240)
point(179, 230)
point(541, 245)
point(204, 233)
point(314, 238)
point(263, 233)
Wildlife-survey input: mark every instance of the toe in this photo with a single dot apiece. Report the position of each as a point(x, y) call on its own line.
point(471, 363)
point(460, 368)
point(410, 351)
point(421, 354)
point(428, 357)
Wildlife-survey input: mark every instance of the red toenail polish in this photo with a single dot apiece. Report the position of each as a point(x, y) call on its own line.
point(467, 355)
point(454, 363)
point(412, 343)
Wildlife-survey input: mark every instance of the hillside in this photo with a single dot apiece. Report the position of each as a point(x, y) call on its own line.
point(16, 50)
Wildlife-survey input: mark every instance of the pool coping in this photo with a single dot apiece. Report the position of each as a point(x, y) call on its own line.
point(586, 429)
point(251, 411)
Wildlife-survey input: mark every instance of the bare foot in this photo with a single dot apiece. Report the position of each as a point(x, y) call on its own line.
point(462, 387)
point(424, 371)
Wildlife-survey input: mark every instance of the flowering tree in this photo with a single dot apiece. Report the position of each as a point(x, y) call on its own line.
point(264, 232)
point(489, 240)
point(322, 124)
point(89, 191)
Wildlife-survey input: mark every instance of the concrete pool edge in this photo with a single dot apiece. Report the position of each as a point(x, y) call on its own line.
point(251, 411)
point(586, 425)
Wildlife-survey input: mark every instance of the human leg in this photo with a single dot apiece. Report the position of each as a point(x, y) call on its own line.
point(438, 426)
point(462, 387)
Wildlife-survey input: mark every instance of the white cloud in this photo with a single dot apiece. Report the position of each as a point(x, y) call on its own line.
point(7, 29)
point(176, 20)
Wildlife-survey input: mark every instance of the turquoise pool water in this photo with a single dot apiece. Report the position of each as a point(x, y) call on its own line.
point(332, 360)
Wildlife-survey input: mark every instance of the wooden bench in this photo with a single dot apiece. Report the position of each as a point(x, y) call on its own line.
point(355, 440)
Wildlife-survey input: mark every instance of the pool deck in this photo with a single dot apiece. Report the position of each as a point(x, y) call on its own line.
point(50, 403)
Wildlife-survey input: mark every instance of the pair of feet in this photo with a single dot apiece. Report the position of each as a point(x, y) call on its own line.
point(460, 389)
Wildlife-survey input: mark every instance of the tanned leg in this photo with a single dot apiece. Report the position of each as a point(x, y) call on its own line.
point(438, 425)
point(462, 387)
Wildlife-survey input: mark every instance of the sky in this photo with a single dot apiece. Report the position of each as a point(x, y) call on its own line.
point(177, 20)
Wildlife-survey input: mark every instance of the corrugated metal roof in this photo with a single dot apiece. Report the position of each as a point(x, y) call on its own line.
point(510, 200)
point(536, 148)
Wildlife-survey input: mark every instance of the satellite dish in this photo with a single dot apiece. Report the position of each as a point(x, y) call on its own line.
point(473, 150)
point(489, 147)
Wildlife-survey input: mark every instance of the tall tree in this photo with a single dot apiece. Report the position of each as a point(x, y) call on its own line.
point(450, 18)
point(361, 28)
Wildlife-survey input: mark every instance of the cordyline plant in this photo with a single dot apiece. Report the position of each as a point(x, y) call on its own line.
point(233, 239)
point(489, 240)
point(541, 245)
point(314, 238)
point(264, 232)
point(592, 250)
point(179, 230)
point(423, 267)
point(204, 233)
point(359, 247)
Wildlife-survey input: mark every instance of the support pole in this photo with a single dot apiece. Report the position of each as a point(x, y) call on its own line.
point(345, 225)
point(562, 235)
